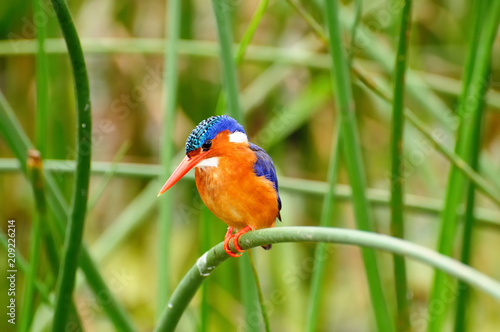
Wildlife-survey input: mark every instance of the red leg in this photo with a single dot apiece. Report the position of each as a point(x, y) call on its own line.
point(227, 238)
point(236, 237)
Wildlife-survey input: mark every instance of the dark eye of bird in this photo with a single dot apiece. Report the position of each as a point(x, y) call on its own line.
point(206, 146)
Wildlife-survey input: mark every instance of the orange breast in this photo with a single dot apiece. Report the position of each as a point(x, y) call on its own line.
point(234, 193)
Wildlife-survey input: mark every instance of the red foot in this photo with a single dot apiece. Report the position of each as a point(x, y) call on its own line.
point(227, 238)
point(236, 237)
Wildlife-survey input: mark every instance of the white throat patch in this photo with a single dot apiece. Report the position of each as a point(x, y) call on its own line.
point(210, 162)
point(238, 137)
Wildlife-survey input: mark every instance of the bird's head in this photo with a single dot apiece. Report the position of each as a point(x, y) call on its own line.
point(207, 142)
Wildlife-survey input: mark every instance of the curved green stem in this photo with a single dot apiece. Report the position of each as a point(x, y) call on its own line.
point(74, 232)
point(206, 264)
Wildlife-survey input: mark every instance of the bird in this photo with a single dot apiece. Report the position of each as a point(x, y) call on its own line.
point(235, 178)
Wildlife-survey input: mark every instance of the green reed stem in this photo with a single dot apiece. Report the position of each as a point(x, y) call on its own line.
point(13, 134)
point(470, 111)
point(309, 19)
point(74, 232)
point(358, 6)
point(205, 233)
point(354, 162)
point(467, 232)
point(325, 221)
point(173, 18)
point(250, 31)
point(36, 174)
point(461, 314)
point(397, 164)
point(242, 47)
point(42, 75)
point(230, 79)
point(262, 302)
point(206, 264)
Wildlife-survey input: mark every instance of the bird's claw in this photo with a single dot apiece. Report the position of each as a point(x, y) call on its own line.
point(236, 245)
point(227, 249)
point(229, 236)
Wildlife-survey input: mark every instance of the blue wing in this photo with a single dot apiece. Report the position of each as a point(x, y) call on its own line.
point(264, 167)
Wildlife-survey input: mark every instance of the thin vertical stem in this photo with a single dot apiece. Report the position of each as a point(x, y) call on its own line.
point(74, 231)
point(263, 309)
point(204, 246)
point(354, 162)
point(326, 220)
point(309, 19)
point(250, 31)
point(230, 79)
point(469, 221)
point(358, 5)
point(470, 111)
point(397, 204)
point(173, 17)
point(248, 293)
point(35, 169)
point(242, 47)
point(41, 82)
point(461, 314)
point(36, 172)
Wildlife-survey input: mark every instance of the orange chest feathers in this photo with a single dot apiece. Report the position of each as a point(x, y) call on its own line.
point(235, 194)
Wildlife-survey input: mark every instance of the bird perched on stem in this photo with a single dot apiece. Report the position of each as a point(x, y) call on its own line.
point(236, 179)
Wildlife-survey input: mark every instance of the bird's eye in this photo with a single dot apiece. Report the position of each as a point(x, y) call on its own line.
point(206, 146)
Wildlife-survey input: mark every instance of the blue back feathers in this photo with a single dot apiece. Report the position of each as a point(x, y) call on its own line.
point(209, 128)
point(264, 167)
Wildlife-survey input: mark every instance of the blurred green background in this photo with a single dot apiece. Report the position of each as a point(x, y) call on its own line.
point(285, 94)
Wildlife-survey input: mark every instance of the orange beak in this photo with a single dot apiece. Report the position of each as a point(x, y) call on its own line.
point(185, 166)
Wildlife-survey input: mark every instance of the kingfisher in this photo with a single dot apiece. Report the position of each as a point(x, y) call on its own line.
point(236, 179)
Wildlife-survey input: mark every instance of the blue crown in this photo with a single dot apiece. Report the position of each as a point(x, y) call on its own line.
point(209, 128)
